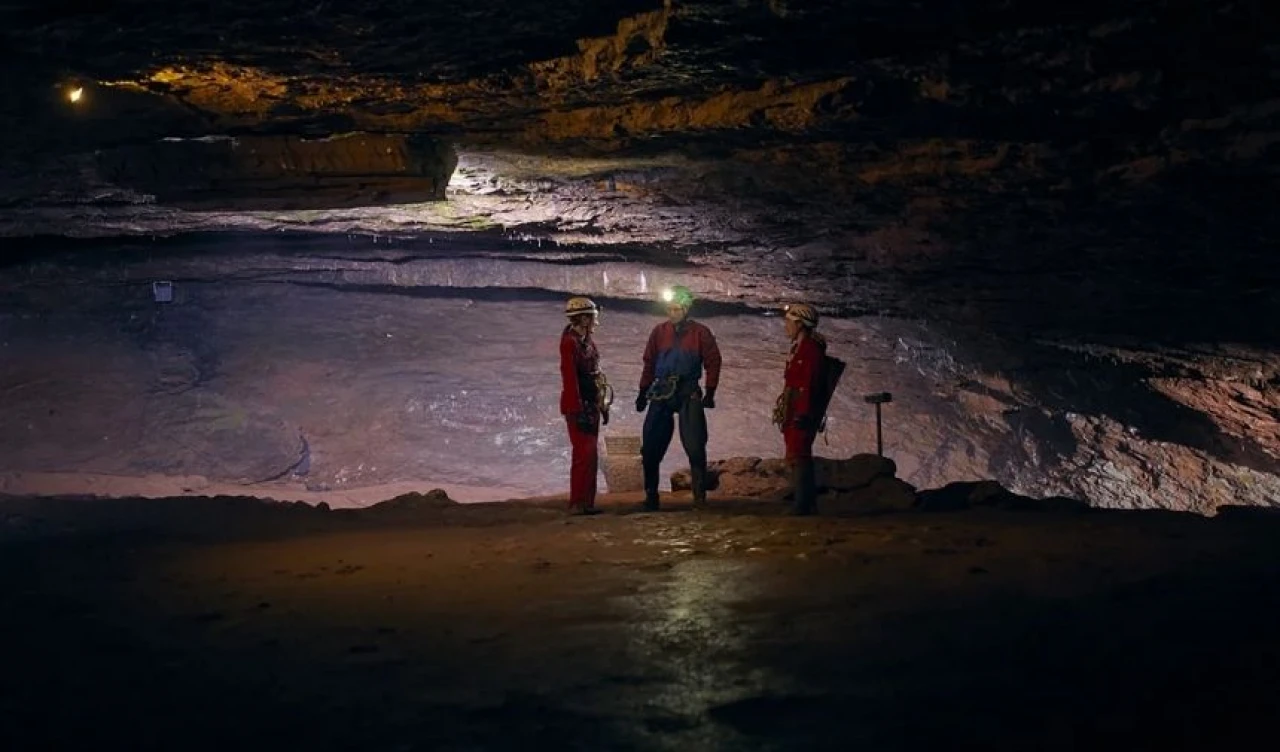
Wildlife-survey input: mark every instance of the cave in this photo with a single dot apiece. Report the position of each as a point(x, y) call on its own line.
point(285, 279)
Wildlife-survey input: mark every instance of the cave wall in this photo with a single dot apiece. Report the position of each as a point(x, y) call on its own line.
point(283, 172)
point(1075, 200)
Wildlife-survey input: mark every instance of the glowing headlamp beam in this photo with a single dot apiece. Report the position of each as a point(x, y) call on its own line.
point(74, 94)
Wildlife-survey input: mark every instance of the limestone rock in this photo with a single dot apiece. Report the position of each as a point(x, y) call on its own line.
point(740, 476)
point(988, 493)
point(883, 493)
point(280, 172)
point(754, 477)
point(858, 471)
point(1042, 252)
point(413, 502)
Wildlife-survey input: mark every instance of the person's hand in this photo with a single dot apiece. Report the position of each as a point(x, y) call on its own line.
point(641, 402)
point(604, 417)
point(709, 399)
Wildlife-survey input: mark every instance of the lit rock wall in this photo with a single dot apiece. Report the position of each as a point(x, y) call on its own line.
point(282, 172)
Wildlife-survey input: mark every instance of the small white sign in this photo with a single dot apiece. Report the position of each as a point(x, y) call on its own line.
point(163, 291)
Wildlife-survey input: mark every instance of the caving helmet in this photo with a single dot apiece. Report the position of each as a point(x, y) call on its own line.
point(679, 295)
point(580, 306)
point(802, 313)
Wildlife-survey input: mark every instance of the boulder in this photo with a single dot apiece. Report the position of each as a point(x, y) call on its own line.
point(859, 471)
point(413, 502)
point(1248, 513)
point(988, 493)
point(740, 476)
point(884, 493)
point(756, 477)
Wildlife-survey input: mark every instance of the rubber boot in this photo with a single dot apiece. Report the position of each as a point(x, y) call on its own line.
point(650, 488)
point(698, 483)
point(804, 489)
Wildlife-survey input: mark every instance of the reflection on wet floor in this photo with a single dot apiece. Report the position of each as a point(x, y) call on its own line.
point(513, 627)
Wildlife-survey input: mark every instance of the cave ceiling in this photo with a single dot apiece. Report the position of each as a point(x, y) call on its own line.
point(936, 142)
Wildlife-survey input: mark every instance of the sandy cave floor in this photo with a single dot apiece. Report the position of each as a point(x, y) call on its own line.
point(234, 624)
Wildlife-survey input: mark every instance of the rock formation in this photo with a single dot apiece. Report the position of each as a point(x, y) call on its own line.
point(1075, 203)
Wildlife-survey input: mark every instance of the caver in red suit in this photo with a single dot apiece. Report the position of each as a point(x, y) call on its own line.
point(799, 409)
point(580, 401)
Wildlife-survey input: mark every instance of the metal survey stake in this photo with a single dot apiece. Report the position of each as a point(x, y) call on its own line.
point(878, 399)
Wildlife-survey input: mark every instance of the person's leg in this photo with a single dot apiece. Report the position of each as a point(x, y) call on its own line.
point(590, 469)
point(799, 444)
point(659, 425)
point(584, 465)
point(693, 437)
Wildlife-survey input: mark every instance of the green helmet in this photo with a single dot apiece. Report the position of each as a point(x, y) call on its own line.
point(680, 295)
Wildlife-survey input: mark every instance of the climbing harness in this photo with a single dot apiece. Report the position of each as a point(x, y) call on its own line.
point(604, 393)
point(661, 391)
point(780, 408)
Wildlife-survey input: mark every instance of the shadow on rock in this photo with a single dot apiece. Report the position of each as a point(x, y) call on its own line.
point(988, 493)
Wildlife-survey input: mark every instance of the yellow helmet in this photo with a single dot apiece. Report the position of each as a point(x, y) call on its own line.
point(579, 306)
point(803, 313)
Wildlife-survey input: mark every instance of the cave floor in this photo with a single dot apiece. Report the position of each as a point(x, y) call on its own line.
point(220, 624)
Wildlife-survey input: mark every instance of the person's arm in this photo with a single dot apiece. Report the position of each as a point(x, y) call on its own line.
point(570, 397)
point(805, 380)
point(650, 354)
point(710, 352)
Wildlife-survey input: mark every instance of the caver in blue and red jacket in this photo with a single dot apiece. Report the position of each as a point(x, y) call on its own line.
point(674, 360)
point(681, 351)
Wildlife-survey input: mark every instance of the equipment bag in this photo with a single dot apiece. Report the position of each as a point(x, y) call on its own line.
point(828, 379)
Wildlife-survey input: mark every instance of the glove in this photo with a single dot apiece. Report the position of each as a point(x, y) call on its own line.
point(709, 399)
point(642, 402)
point(604, 417)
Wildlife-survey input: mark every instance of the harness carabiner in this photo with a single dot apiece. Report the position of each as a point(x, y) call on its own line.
point(604, 392)
point(781, 407)
point(661, 391)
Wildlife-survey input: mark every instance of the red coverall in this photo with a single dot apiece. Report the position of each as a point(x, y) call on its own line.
point(579, 362)
point(800, 426)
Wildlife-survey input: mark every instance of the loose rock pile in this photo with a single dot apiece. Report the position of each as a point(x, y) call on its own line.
point(863, 482)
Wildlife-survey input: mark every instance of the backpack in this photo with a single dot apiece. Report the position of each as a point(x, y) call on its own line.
point(829, 374)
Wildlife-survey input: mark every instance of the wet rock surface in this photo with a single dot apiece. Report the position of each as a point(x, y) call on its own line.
point(486, 626)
